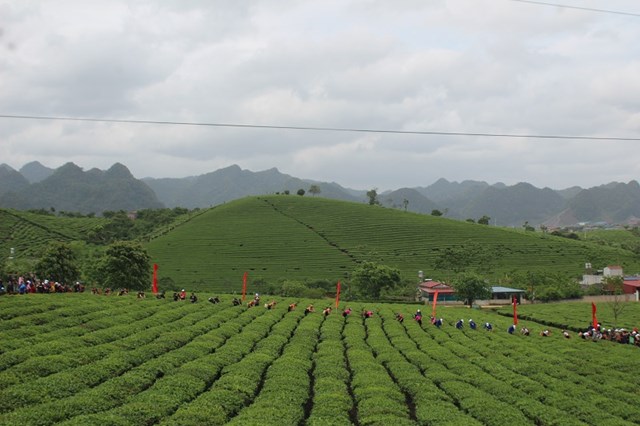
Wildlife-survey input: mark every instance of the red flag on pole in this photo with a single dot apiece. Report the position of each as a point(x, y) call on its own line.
point(244, 286)
point(593, 315)
point(515, 311)
point(435, 302)
point(337, 294)
point(154, 285)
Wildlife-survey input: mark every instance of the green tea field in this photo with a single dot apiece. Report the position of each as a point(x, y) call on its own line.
point(82, 359)
point(298, 238)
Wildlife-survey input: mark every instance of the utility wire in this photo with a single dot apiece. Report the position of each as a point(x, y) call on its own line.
point(589, 9)
point(320, 129)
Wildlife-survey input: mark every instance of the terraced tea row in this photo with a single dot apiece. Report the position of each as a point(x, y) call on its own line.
point(182, 363)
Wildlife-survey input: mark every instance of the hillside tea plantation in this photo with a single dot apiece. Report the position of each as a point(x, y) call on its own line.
point(82, 359)
point(297, 238)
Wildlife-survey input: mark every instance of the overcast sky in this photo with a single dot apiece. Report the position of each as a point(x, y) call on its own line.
point(471, 66)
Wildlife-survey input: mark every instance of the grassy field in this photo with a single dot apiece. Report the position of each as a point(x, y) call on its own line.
point(290, 237)
point(80, 359)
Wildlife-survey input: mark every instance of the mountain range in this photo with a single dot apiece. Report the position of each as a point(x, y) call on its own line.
point(70, 188)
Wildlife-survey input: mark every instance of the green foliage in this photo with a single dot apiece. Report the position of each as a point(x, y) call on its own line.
point(371, 278)
point(484, 220)
point(59, 263)
point(544, 286)
point(314, 190)
point(436, 212)
point(471, 287)
point(300, 192)
point(372, 195)
point(125, 264)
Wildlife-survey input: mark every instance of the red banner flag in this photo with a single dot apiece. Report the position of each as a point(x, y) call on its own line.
point(244, 286)
point(337, 294)
point(154, 284)
point(593, 315)
point(435, 302)
point(515, 311)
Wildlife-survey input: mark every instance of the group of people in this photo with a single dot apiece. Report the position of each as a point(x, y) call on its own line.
point(182, 295)
point(618, 335)
point(20, 285)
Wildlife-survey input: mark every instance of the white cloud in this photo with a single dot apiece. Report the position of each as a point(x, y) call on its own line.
point(444, 65)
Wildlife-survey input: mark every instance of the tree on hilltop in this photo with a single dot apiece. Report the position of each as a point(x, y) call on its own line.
point(314, 189)
point(373, 197)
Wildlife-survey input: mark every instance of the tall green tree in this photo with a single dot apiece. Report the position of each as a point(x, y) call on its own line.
point(314, 190)
point(471, 287)
point(484, 220)
point(126, 264)
point(373, 197)
point(58, 263)
point(371, 278)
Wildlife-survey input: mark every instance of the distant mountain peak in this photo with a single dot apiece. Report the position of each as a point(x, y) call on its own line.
point(7, 167)
point(119, 170)
point(35, 172)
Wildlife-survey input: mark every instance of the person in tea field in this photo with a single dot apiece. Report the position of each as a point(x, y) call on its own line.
point(418, 317)
point(472, 324)
point(346, 312)
point(270, 305)
point(399, 317)
point(326, 311)
point(214, 300)
point(160, 295)
point(438, 322)
point(367, 314)
point(488, 326)
point(545, 333)
point(183, 294)
point(309, 309)
point(566, 334)
point(193, 298)
point(511, 329)
point(140, 295)
point(291, 307)
point(460, 324)
point(236, 302)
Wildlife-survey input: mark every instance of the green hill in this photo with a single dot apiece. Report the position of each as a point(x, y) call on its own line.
point(29, 233)
point(274, 237)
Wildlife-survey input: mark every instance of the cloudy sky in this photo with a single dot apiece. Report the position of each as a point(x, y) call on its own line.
point(463, 66)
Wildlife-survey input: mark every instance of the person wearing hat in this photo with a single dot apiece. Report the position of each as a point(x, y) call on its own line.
point(460, 324)
point(183, 294)
point(472, 324)
point(418, 317)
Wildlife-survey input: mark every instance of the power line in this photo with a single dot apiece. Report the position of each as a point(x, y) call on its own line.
point(319, 129)
point(589, 9)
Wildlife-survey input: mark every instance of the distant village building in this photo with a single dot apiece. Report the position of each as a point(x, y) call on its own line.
point(504, 295)
point(612, 271)
point(499, 295)
point(631, 286)
point(589, 278)
point(428, 288)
